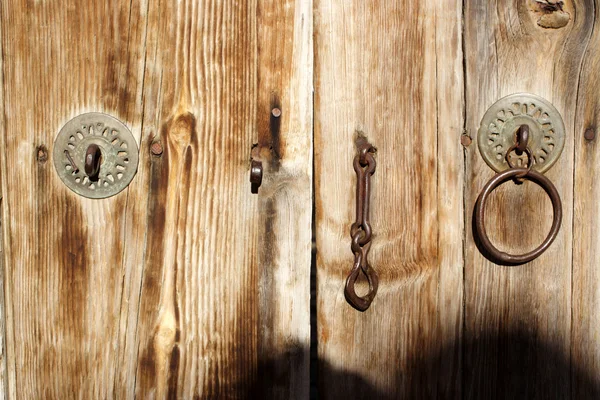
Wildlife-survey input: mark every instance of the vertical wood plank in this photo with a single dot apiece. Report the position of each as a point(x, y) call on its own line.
point(196, 331)
point(391, 70)
point(518, 319)
point(285, 83)
point(450, 117)
point(585, 340)
point(4, 376)
point(64, 269)
point(218, 317)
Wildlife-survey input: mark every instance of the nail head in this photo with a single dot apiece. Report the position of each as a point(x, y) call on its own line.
point(156, 148)
point(590, 134)
point(465, 140)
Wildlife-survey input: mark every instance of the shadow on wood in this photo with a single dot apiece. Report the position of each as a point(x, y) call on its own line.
point(510, 366)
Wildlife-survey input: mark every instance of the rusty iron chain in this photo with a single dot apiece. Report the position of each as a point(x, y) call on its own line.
point(360, 231)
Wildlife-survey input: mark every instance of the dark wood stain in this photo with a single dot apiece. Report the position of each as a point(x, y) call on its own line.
point(153, 268)
point(275, 131)
point(180, 138)
point(174, 372)
point(73, 260)
point(42, 153)
point(269, 253)
point(146, 370)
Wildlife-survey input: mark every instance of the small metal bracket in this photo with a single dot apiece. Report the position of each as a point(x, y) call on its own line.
point(91, 141)
point(501, 123)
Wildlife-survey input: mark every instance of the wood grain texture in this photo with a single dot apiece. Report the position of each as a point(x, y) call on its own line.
point(159, 291)
point(585, 339)
point(285, 82)
point(208, 321)
point(3, 249)
point(193, 336)
point(391, 70)
point(517, 336)
point(64, 268)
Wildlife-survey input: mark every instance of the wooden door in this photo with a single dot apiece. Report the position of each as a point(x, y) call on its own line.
point(178, 286)
point(188, 285)
point(416, 78)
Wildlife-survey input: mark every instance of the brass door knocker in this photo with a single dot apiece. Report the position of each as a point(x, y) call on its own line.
point(360, 231)
point(520, 137)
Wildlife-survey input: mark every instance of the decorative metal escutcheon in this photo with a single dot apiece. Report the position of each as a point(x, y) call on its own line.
point(500, 124)
point(520, 137)
point(95, 155)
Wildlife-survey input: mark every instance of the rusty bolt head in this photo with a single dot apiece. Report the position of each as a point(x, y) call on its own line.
point(156, 148)
point(465, 140)
point(590, 134)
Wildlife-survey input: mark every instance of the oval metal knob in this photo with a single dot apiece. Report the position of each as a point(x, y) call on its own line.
point(93, 159)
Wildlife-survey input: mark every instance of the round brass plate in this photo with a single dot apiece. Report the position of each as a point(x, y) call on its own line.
point(119, 159)
point(497, 132)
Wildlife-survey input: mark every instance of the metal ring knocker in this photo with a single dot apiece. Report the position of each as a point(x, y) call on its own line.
point(360, 231)
point(518, 175)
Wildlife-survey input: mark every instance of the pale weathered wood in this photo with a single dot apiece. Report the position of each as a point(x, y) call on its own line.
point(159, 291)
point(187, 285)
point(285, 79)
point(3, 250)
point(517, 334)
point(392, 70)
point(64, 265)
point(585, 339)
point(212, 321)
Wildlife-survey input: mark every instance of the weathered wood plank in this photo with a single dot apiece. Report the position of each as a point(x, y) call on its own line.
point(285, 83)
point(3, 216)
point(391, 70)
point(64, 270)
point(450, 219)
point(213, 306)
point(518, 319)
point(585, 339)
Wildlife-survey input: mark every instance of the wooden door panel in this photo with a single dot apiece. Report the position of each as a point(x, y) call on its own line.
point(517, 333)
point(392, 71)
point(187, 285)
point(160, 290)
point(64, 254)
point(585, 334)
point(522, 335)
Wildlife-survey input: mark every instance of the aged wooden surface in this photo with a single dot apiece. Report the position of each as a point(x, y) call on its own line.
point(160, 290)
point(392, 70)
point(3, 249)
point(585, 339)
point(285, 79)
point(64, 264)
point(518, 320)
point(186, 285)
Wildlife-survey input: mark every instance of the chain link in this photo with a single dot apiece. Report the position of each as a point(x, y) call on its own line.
point(360, 231)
